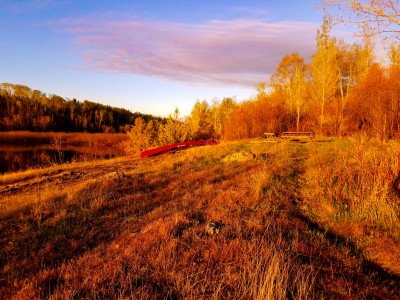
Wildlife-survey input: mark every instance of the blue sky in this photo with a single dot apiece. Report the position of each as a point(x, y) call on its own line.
point(151, 56)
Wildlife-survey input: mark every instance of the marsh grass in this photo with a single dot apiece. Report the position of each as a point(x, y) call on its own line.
point(78, 138)
point(33, 150)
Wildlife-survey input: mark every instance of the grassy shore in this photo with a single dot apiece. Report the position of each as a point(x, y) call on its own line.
point(238, 220)
point(74, 138)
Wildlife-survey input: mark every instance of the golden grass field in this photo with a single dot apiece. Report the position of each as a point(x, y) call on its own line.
point(313, 220)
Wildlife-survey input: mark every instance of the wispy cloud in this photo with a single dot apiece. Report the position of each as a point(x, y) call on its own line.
point(237, 52)
point(250, 11)
point(31, 5)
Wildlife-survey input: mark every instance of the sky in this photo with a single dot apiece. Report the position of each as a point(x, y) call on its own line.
point(151, 56)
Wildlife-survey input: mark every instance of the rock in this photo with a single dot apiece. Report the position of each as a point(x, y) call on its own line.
point(214, 228)
point(120, 174)
point(240, 156)
point(264, 156)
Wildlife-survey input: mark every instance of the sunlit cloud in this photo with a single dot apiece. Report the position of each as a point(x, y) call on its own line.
point(225, 52)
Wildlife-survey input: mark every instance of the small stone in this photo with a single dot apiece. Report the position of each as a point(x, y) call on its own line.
point(214, 228)
point(240, 156)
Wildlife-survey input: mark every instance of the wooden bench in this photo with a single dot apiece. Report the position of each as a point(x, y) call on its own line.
point(298, 135)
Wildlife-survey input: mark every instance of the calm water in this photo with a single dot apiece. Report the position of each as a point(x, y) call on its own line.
point(15, 157)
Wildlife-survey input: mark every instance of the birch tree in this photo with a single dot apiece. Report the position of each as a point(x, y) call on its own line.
point(290, 81)
point(325, 69)
point(347, 61)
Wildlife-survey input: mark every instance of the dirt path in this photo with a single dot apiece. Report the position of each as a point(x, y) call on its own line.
point(68, 174)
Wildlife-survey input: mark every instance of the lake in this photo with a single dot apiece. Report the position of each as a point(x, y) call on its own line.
point(21, 157)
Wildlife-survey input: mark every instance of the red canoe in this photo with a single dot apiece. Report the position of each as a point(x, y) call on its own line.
point(176, 147)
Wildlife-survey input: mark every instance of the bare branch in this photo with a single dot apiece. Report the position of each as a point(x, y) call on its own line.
point(378, 16)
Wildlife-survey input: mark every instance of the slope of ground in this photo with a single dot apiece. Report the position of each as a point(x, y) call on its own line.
point(232, 221)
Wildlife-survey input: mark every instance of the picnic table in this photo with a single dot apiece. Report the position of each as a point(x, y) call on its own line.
point(269, 135)
point(297, 135)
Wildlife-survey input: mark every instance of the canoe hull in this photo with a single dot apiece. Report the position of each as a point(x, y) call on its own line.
point(176, 147)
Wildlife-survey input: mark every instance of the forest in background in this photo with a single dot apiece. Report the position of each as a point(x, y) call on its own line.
point(22, 108)
point(345, 89)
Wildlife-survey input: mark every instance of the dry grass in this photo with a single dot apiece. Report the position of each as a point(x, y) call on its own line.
point(353, 180)
point(349, 189)
point(79, 138)
point(11, 178)
point(271, 275)
point(138, 229)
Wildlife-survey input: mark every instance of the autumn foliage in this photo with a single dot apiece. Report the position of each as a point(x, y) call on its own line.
point(345, 90)
point(352, 94)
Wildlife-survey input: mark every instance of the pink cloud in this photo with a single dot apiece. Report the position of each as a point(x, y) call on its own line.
point(236, 52)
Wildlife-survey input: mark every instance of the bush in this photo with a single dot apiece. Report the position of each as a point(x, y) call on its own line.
point(143, 136)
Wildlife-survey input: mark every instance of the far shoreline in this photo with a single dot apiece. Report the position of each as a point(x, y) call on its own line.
point(67, 138)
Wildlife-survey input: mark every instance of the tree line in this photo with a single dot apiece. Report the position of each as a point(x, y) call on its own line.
point(345, 89)
point(22, 108)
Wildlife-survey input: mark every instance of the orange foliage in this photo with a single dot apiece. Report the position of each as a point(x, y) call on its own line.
point(372, 108)
point(252, 118)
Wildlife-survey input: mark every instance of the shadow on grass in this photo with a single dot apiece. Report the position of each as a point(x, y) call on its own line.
point(45, 235)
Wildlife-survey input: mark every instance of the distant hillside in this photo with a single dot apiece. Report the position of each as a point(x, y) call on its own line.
point(22, 108)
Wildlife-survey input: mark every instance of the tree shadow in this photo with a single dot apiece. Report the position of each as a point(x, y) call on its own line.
point(37, 238)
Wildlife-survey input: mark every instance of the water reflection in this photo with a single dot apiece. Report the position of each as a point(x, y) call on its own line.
point(15, 157)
